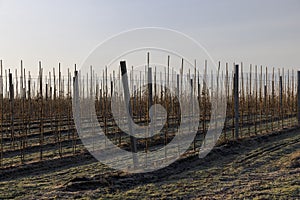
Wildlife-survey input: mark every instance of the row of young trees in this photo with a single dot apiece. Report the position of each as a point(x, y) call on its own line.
point(37, 119)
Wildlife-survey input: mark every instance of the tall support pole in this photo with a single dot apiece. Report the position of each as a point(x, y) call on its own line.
point(236, 101)
point(29, 107)
point(128, 105)
point(59, 111)
point(69, 104)
point(41, 111)
point(105, 103)
point(298, 96)
point(2, 113)
point(266, 103)
point(76, 104)
point(260, 101)
point(273, 104)
point(22, 97)
point(204, 100)
point(167, 101)
point(11, 96)
point(293, 97)
point(6, 89)
point(281, 98)
point(227, 100)
point(242, 98)
point(256, 100)
point(150, 100)
point(250, 100)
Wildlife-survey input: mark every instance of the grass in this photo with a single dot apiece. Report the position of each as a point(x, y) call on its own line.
point(261, 167)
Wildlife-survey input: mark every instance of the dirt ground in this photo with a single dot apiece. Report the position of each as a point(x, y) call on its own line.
point(262, 167)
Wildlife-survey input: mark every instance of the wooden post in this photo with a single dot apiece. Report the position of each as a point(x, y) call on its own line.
point(243, 99)
point(278, 102)
point(2, 113)
point(232, 105)
point(76, 104)
point(41, 111)
point(29, 107)
point(298, 97)
point(260, 101)
point(293, 97)
point(6, 89)
point(273, 98)
point(167, 105)
point(204, 100)
point(150, 101)
point(236, 101)
point(250, 101)
point(59, 111)
point(22, 96)
point(227, 100)
point(281, 98)
point(11, 95)
point(68, 104)
point(17, 85)
point(127, 99)
point(119, 97)
point(266, 103)
point(105, 104)
point(256, 100)
point(55, 110)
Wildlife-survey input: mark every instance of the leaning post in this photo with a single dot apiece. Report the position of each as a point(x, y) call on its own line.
point(128, 106)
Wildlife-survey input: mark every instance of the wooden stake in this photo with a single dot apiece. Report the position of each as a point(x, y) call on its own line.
point(2, 112)
point(127, 99)
point(236, 101)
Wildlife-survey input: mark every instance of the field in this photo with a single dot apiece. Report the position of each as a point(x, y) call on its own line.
point(260, 167)
point(256, 156)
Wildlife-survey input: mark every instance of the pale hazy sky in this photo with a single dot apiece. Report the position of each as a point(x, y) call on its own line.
point(259, 32)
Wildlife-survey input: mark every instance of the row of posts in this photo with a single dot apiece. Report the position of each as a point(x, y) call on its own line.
point(236, 99)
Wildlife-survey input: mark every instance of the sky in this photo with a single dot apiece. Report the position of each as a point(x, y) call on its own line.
point(258, 32)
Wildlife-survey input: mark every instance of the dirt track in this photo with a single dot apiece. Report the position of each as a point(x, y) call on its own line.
point(258, 167)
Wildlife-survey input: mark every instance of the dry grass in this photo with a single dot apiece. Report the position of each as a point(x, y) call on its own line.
point(255, 168)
